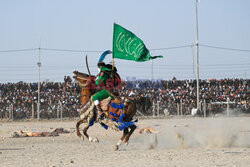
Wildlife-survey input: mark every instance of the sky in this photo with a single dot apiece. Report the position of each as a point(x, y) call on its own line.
point(167, 27)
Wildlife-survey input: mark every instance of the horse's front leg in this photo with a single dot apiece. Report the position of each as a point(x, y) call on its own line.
point(86, 127)
point(125, 132)
point(77, 128)
point(132, 129)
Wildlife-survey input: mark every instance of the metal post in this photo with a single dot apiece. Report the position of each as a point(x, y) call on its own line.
point(61, 110)
point(192, 46)
point(178, 109)
point(38, 101)
point(227, 103)
point(181, 108)
point(58, 111)
point(9, 108)
point(32, 111)
point(12, 112)
point(205, 108)
point(153, 109)
point(158, 109)
point(197, 57)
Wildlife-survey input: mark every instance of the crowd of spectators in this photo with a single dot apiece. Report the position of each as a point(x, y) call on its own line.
point(167, 95)
point(183, 92)
point(23, 97)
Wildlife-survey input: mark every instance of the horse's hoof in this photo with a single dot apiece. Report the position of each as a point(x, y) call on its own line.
point(95, 140)
point(126, 143)
point(79, 135)
point(90, 139)
point(115, 148)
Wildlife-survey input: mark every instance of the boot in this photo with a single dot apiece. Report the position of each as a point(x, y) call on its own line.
point(100, 113)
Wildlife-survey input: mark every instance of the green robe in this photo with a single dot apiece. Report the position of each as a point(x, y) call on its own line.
point(104, 77)
point(103, 94)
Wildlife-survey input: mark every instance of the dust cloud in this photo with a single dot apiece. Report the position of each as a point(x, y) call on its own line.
point(206, 133)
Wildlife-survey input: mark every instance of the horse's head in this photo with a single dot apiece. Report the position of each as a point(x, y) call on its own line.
point(85, 82)
point(83, 78)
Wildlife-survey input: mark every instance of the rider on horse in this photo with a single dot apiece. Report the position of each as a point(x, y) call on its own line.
point(104, 87)
point(104, 84)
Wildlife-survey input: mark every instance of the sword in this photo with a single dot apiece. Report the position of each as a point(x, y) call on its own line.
point(87, 65)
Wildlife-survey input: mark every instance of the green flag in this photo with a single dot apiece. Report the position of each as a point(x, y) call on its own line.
point(127, 45)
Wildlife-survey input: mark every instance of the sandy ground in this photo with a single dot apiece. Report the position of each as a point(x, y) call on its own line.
point(180, 142)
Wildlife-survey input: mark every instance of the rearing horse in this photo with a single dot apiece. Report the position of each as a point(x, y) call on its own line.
point(129, 110)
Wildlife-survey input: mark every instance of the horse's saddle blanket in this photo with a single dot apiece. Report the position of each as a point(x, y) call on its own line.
point(105, 103)
point(112, 112)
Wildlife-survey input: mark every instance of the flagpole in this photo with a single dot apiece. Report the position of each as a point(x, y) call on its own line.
point(197, 57)
point(113, 61)
point(113, 47)
point(152, 72)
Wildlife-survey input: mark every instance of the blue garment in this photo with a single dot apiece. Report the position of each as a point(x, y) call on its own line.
point(92, 122)
point(115, 105)
point(122, 125)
